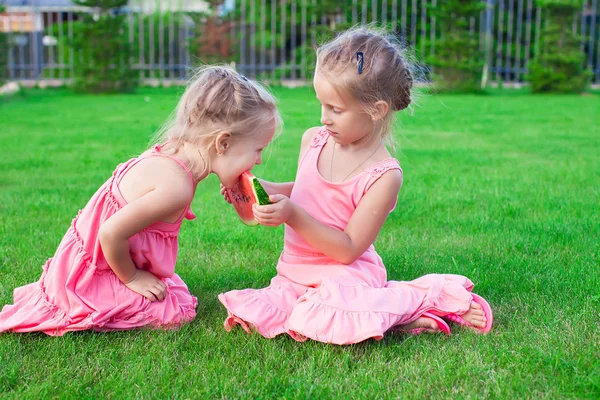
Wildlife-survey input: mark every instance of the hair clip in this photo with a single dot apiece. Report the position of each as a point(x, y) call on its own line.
point(360, 58)
point(244, 77)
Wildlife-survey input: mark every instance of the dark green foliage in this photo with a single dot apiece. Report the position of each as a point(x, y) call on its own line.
point(457, 60)
point(560, 65)
point(102, 51)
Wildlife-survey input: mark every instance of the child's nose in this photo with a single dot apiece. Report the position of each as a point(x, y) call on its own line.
point(325, 117)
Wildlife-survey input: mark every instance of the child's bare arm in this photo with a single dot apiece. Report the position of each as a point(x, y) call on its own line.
point(168, 197)
point(362, 229)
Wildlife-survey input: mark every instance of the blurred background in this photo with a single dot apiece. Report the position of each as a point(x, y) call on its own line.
point(116, 45)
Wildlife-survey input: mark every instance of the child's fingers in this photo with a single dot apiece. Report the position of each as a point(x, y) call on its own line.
point(149, 295)
point(275, 198)
point(155, 294)
point(160, 294)
point(261, 213)
point(266, 209)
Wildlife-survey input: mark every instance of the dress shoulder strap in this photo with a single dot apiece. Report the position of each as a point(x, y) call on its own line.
point(375, 171)
point(319, 138)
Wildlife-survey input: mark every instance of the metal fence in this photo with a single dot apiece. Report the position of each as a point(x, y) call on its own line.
point(274, 39)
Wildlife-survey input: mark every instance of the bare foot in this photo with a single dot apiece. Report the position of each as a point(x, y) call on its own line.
point(475, 316)
point(427, 324)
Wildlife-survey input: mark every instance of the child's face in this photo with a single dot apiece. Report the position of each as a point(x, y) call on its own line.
point(344, 117)
point(242, 155)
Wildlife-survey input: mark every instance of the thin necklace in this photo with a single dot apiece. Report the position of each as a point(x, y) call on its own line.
point(351, 172)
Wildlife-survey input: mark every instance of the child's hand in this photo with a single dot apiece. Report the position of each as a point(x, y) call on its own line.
point(225, 193)
point(148, 285)
point(274, 214)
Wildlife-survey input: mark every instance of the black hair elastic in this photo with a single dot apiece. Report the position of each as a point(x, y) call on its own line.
point(360, 58)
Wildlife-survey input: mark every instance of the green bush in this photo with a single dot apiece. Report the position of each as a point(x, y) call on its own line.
point(457, 60)
point(559, 67)
point(102, 52)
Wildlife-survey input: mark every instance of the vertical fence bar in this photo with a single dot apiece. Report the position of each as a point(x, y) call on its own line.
point(313, 25)
point(34, 51)
point(404, 21)
point(188, 48)
point(482, 29)
point(384, 7)
point(529, 15)
point(21, 50)
point(509, 29)
point(129, 33)
point(152, 68)
point(499, 41)
point(283, 28)
point(597, 68)
point(594, 9)
point(395, 15)
point(11, 58)
point(293, 42)
point(243, 37)
point(71, 51)
point(61, 46)
point(171, 41)
point(538, 28)
point(303, 72)
point(363, 16)
point(423, 27)
point(489, 42)
point(273, 37)
point(432, 31)
point(583, 21)
point(253, 38)
point(413, 24)
point(233, 39)
point(263, 38)
point(141, 41)
point(354, 13)
point(374, 10)
point(574, 26)
point(517, 65)
point(22, 44)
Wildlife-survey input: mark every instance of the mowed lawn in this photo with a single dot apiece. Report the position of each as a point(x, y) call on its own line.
point(503, 188)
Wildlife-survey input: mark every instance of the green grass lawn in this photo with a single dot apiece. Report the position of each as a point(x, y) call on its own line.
point(504, 189)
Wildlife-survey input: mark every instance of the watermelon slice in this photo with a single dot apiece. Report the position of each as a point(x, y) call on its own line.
point(246, 192)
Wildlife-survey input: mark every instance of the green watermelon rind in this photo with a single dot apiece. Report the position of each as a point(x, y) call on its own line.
point(261, 195)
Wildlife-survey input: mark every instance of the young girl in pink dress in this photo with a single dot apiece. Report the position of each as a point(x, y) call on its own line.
point(331, 285)
point(114, 268)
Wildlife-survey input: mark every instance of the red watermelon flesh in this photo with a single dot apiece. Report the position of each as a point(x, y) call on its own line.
point(244, 194)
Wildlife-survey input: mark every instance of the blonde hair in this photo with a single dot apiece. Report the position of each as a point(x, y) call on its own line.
point(217, 98)
point(381, 72)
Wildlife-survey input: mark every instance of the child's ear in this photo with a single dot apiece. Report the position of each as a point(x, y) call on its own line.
point(381, 110)
point(222, 142)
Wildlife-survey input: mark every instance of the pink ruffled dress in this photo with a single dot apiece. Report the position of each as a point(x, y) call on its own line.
point(79, 291)
point(313, 296)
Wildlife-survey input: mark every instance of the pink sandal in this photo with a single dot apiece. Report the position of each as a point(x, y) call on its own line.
point(487, 311)
point(442, 325)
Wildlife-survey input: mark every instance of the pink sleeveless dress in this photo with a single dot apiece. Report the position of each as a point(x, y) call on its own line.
point(313, 296)
point(79, 291)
